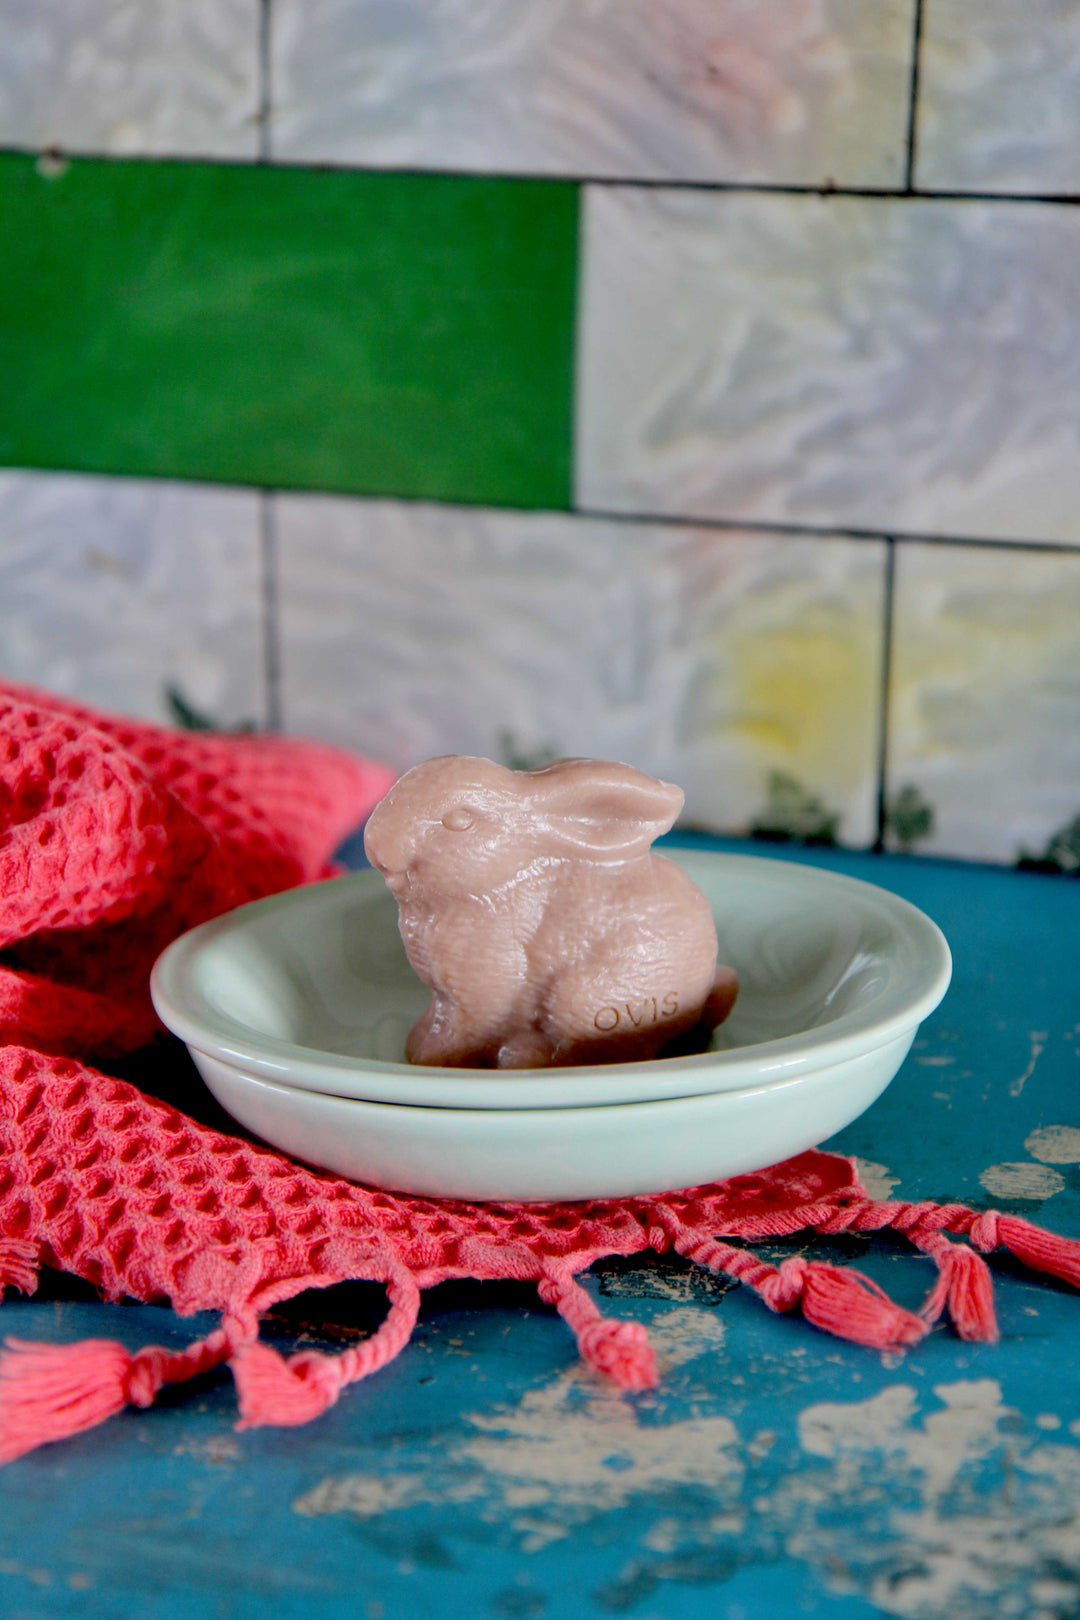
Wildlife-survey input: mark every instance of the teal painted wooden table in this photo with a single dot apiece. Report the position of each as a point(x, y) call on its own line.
point(776, 1471)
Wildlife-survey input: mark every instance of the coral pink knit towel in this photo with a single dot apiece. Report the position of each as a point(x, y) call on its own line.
point(116, 836)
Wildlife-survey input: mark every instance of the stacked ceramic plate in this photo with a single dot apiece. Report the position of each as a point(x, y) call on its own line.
point(296, 1010)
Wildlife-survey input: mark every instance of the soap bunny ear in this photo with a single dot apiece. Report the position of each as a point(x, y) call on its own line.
point(599, 807)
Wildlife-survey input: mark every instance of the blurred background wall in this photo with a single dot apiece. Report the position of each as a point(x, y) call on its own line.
point(694, 382)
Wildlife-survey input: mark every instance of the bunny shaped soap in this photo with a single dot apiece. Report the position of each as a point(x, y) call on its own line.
point(532, 904)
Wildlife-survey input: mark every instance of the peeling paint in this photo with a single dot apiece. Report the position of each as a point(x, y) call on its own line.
point(667, 1282)
point(563, 1466)
point(1054, 1144)
point(922, 1505)
point(876, 1178)
point(682, 1335)
point(576, 1447)
point(568, 1449)
point(1038, 1039)
point(219, 1448)
point(367, 1496)
point(953, 1544)
point(571, 1448)
point(1021, 1180)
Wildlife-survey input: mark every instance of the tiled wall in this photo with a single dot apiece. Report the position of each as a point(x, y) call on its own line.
point(695, 382)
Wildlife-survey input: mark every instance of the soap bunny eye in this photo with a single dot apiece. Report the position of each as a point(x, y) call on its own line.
point(459, 819)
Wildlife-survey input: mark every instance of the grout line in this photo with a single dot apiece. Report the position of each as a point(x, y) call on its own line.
point(888, 616)
point(271, 626)
point(671, 520)
point(775, 188)
point(913, 104)
point(819, 531)
point(577, 361)
point(1065, 199)
point(267, 524)
point(262, 113)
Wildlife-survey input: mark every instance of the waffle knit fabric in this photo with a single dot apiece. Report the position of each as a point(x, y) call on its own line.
point(115, 836)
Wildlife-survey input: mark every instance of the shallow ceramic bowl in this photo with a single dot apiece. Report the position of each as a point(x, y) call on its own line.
point(541, 1153)
point(296, 1010)
point(312, 988)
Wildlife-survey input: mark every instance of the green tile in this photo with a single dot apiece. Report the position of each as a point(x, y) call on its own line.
point(383, 333)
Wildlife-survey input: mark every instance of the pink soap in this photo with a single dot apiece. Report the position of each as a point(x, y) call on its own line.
point(534, 907)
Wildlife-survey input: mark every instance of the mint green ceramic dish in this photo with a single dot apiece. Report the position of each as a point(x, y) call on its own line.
point(296, 1009)
point(312, 988)
point(543, 1153)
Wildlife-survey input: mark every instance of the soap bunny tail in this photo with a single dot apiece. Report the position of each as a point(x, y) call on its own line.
point(721, 997)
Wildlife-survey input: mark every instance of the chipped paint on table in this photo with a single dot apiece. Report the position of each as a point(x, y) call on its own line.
point(775, 1470)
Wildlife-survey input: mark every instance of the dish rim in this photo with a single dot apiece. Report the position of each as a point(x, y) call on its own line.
point(656, 1107)
point(182, 1007)
point(516, 1155)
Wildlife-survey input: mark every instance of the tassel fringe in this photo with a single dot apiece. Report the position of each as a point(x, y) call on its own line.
point(18, 1265)
point(964, 1285)
point(1037, 1248)
point(620, 1350)
point(275, 1391)
point(272, 1390)
point(845, 1303)
point(51, 1392)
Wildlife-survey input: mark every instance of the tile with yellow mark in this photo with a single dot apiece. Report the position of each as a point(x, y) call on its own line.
point(718, 660)
point(985, 698)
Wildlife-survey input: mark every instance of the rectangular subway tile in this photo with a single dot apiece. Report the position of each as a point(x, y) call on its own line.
point(745, 667)
point(984, 727)
point(117, 591)
point(894, 365)
point(692, 90)
point(999, 96)
point(400, 334)
point(109, 76)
